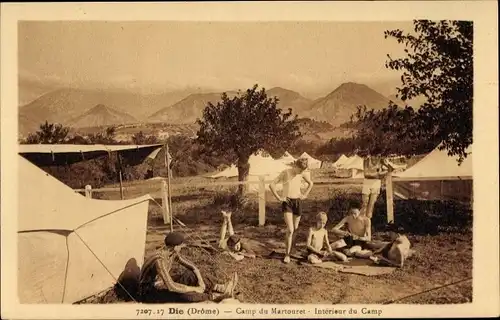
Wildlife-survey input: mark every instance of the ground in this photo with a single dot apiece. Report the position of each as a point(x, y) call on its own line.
point(442, 256)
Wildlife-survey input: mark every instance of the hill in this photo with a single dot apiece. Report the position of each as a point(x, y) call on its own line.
point(100, 115)
point(191, 108)
point(339, 105)
point(63, 105)
point(289, 99)
point(188, 109)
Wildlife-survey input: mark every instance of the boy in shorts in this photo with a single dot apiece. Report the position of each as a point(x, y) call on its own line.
point(291, 200)
point(317, 239)
point(355, 240)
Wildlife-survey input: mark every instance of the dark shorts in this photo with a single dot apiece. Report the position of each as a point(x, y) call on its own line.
point(351, 243)
point(292, 205)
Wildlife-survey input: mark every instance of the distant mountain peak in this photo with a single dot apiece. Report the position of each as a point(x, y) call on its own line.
point(101, 115)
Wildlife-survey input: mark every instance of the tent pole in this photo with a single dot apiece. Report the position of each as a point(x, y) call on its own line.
point(389, 197)
point(168, 188)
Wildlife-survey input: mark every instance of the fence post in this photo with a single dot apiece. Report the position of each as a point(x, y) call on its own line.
point(262, 201)
point(389, 196)
point(88, 191)
point(164, 202)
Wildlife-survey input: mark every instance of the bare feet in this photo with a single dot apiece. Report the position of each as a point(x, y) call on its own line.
point(231, 285)
point(287, 259)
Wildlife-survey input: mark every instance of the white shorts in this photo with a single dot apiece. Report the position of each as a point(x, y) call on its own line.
point(371, 186)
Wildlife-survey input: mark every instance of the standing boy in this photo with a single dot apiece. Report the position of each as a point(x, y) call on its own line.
point(291, 200)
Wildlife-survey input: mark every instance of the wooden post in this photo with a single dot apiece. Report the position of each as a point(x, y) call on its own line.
point(389, 195)
point(88, 191)
point(120, 174)
point(262, 201)
point(165, 202)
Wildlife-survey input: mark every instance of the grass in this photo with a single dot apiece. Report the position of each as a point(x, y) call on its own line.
point(440, 233)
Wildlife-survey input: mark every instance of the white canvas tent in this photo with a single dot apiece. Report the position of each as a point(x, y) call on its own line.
point(71, 247)
point(287, 158)
point(313, 163)
point(340, 161)
point(436, 177)
point(354, 162)
point(260, 165)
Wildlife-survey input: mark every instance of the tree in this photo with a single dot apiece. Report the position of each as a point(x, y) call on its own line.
point(105, 137)
point(49, 133)
point(389, 131)
point(439, 66)
point(244, 124)
point(140, 138)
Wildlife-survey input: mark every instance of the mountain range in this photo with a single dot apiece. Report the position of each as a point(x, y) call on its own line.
point(91, 108)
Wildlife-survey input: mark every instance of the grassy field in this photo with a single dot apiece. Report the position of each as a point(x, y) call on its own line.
point(439, 232)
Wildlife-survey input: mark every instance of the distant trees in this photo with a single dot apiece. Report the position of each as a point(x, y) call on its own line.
point(141, 139)
point(242, 125)
point(439, 65)
point(48, 133)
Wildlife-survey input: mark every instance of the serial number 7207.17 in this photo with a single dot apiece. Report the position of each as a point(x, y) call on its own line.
point(150, 312)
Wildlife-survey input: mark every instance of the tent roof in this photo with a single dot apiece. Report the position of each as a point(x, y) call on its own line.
point(60, 154)
point(439, 165)
point(354, 162)
point(341, 160)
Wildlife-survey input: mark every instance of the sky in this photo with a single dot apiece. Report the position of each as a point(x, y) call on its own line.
point(309, 57)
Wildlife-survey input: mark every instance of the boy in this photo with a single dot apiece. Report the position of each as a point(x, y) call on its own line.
point(191, 286)
point(374, 170)
point(291, 200)
point(355, 241)
point(317, 238)
point(233, 245)
point(395, 253)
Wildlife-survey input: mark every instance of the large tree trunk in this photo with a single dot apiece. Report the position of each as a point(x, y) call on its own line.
point(243, 171)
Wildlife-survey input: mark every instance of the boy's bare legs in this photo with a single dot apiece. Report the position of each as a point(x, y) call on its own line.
point(224, 227)
point(296, 222)
point(290, 228)
point(230, 224)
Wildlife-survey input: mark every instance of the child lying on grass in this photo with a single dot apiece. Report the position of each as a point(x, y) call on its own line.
point(233, 245)
point(395, 253)
point(317, 239)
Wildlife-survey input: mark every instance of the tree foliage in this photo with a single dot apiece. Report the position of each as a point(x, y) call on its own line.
point(140, 138)
point(49, 133)
point(439, 65)
point(389, 131)
point(242, 125)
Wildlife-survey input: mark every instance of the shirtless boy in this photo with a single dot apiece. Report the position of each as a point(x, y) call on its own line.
point(355, 241)
point(291, 199)
point(233, 245)
point(395, 253)
point(317, 239)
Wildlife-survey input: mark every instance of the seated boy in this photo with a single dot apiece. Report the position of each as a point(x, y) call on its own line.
point(317, 239)
point(355, 241)
point(395, 253)
point(190, 286)
point(233, 245)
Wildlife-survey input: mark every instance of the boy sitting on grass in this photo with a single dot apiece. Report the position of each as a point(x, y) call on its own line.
point(233, 245)
point(355, 241)
point(317, 239)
